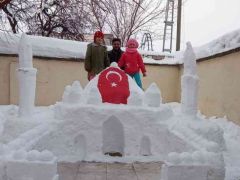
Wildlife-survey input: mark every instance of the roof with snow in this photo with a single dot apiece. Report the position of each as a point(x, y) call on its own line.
point(67, 49)
point(223, 45)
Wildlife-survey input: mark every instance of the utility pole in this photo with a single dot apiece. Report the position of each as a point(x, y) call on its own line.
point(179, 15)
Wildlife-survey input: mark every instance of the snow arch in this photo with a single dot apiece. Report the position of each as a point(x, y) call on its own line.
point(145, 146)
point(113, 136)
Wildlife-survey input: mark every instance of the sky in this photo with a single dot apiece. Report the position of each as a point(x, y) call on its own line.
point(206, 20)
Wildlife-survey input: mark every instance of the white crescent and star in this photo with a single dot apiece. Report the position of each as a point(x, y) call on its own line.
point(114, 84)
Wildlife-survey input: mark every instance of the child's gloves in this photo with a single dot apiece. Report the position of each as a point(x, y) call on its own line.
point(144, 74)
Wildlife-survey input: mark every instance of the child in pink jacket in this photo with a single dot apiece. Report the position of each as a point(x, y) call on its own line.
point(131, 61)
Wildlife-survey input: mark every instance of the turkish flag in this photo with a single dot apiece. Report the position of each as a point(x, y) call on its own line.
point(113, 86)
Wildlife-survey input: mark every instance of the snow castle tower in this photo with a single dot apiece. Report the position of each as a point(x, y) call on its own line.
point(189, 82)
point(26, 78)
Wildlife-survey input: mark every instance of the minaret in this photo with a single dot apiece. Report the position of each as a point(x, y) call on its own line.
point(189, 82)
point(26, 78)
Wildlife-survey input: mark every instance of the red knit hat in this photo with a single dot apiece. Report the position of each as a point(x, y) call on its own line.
point(98, 34)
point(132, 41)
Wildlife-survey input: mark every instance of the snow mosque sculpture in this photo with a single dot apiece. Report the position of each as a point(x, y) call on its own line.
point(122, 124)
point(89, 125)
point(189, 82)
point(143, 126)
point(26, 78)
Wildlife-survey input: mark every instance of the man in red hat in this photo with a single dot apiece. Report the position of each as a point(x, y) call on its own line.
point(96, 58)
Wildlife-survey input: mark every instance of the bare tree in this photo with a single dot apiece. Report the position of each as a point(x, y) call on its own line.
point(52, 18)
point(98, 13)
point(16, 12)
point(62, 19)
point(71, 19)
point(128, 17)
point(124, 18)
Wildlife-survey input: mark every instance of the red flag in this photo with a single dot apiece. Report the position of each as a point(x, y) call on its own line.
point(113, 86)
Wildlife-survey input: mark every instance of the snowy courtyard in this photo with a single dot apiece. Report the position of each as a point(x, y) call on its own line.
point(39, 143)
point(173, 141)
point(119, 90)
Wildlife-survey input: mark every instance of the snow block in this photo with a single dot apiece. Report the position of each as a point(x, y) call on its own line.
point(152, 96)
point(135, 99)
point(2, 170)
point(27, 87)
point(189, 94)
point(120, 128)
point(189, 82)
point(94, 96)
point(190, 172)
point(2, 121)
point(17, 170)
point(73, 94)
point(189, 57)
point(25, 52)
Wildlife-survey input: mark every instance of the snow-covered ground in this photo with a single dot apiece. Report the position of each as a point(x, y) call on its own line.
point(231, 132)
point(20, 134)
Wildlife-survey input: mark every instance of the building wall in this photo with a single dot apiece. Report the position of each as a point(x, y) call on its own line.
point(219, 84)
point(167, 79)
point(5, 62)
point(53, 75)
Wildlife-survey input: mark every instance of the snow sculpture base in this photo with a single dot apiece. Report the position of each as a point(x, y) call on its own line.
point(190, 172)
point(20, 170)
point(190, 148)
point(126, 127)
